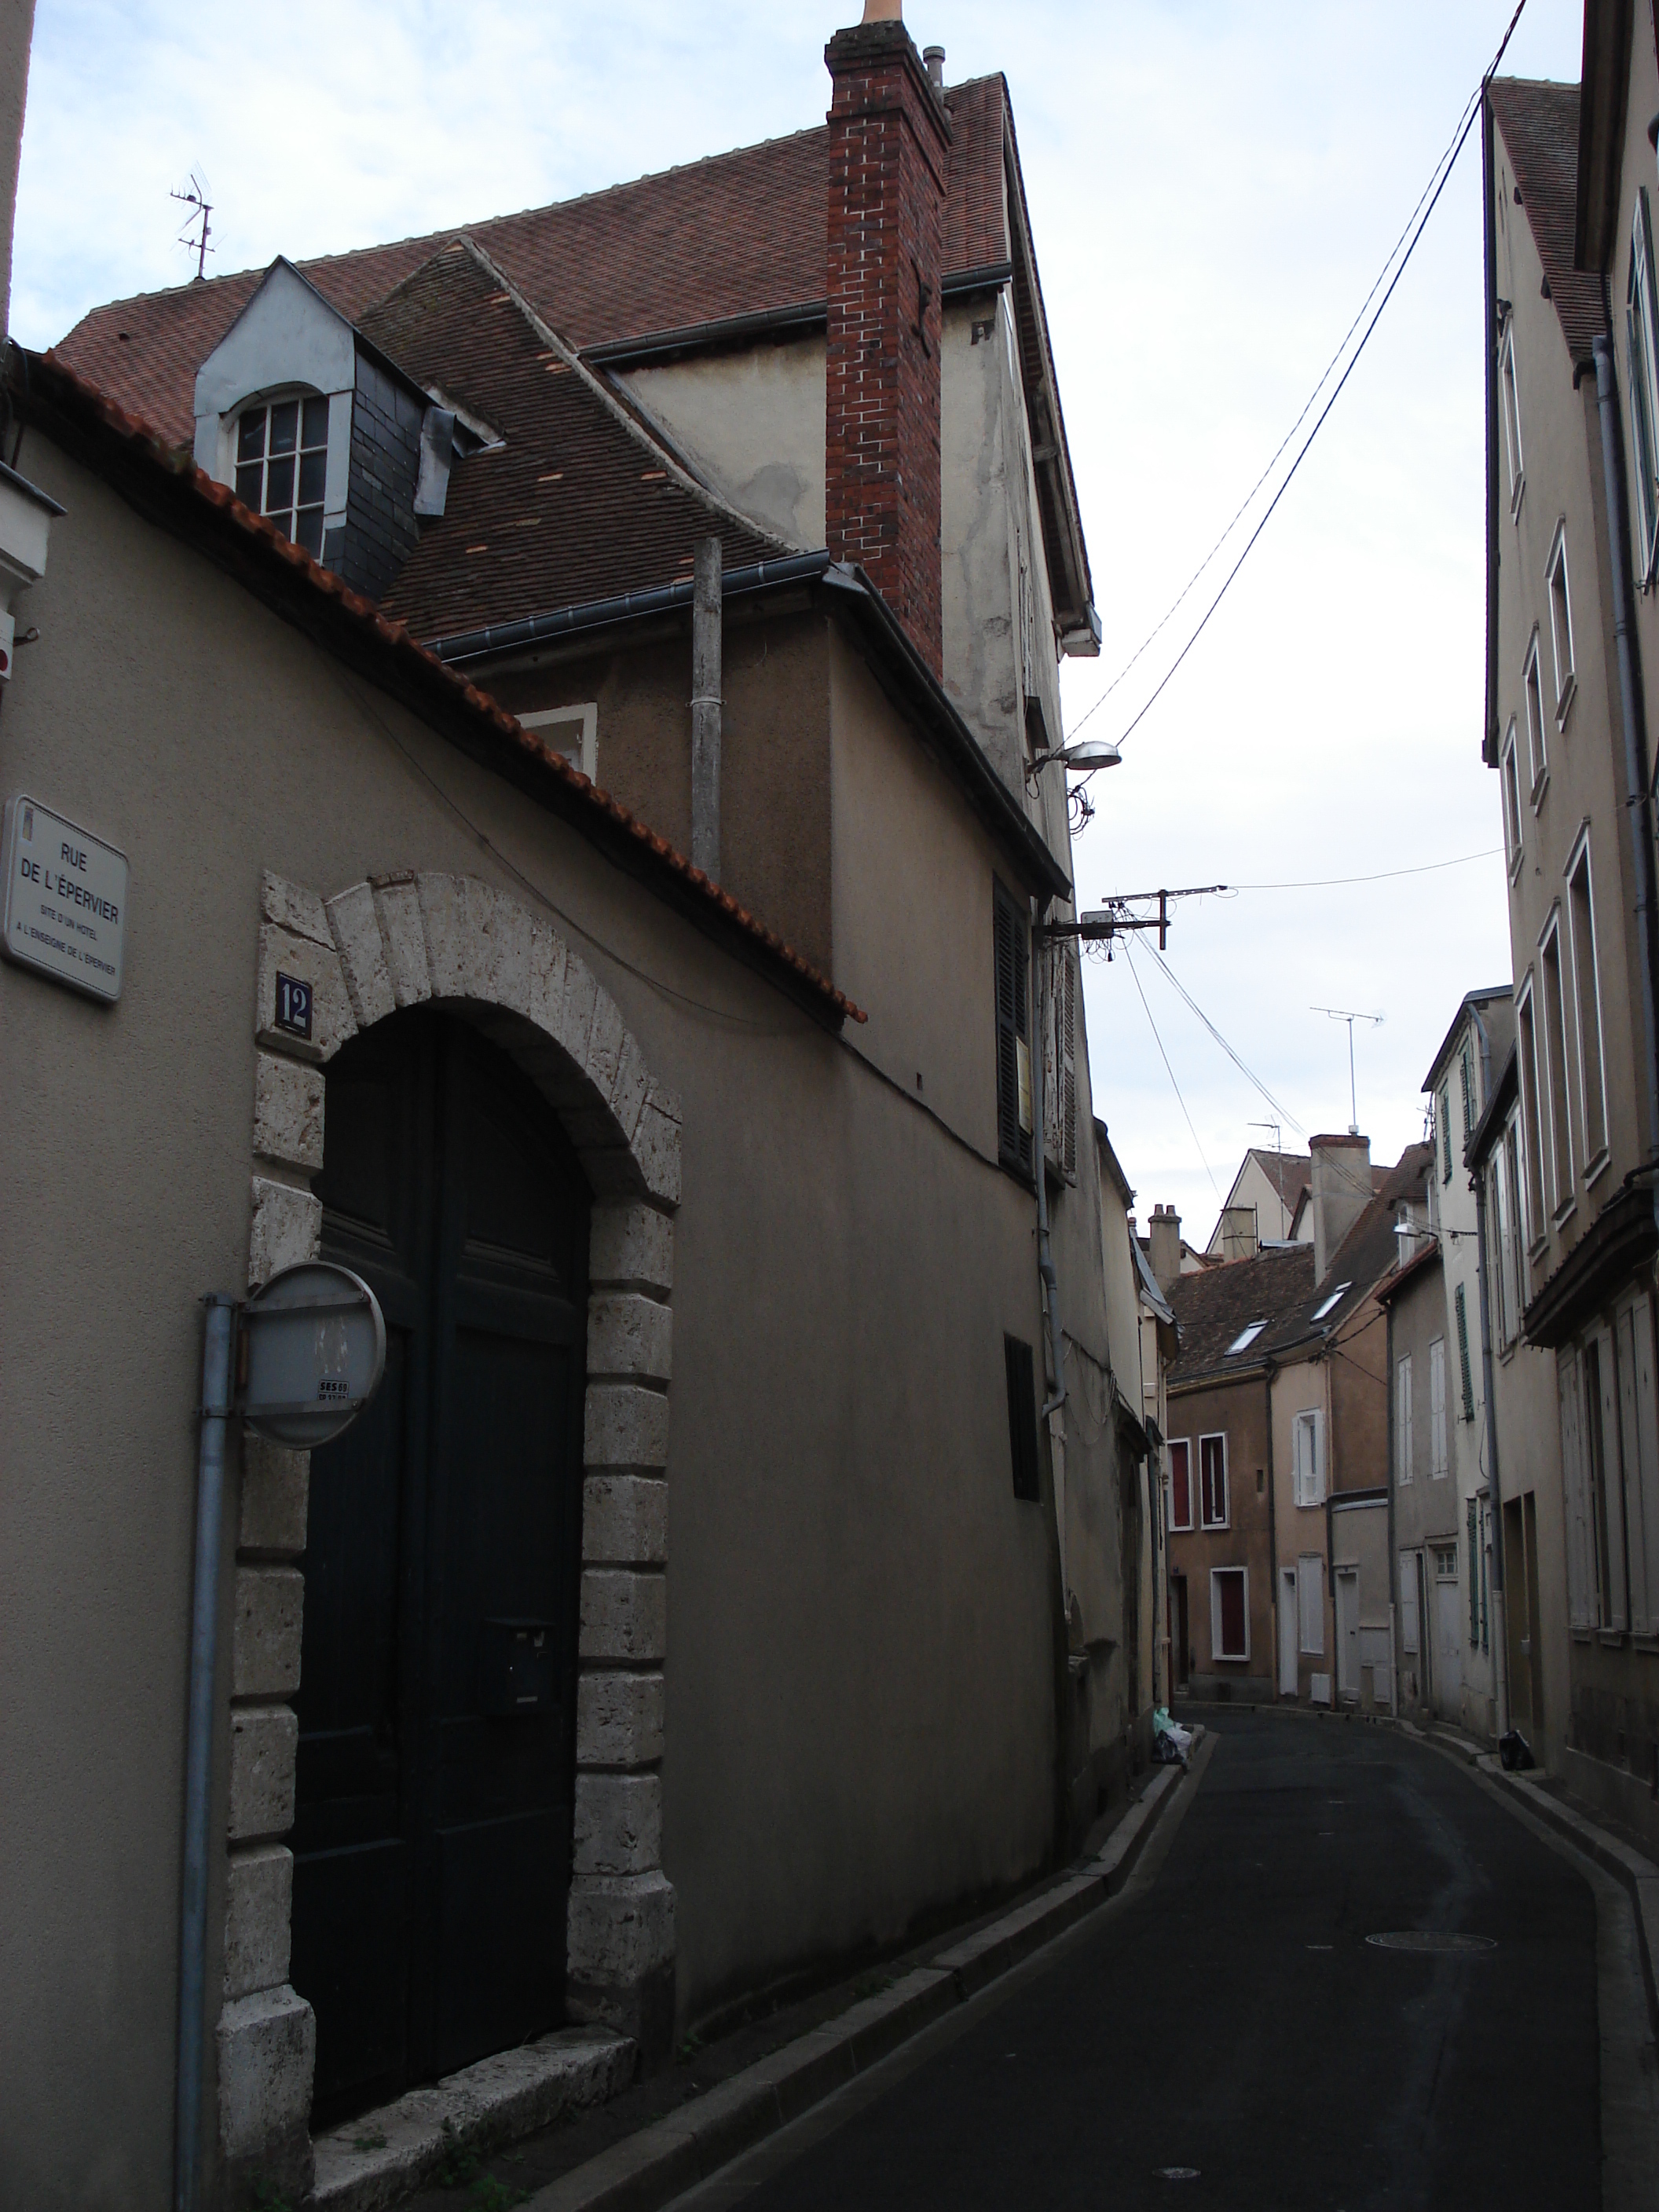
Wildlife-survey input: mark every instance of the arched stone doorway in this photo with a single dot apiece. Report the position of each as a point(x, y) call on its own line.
point(476, 957)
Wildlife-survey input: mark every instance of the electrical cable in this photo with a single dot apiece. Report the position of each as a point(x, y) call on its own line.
point(1174, 1085)
point(1334, 883)
point(1283, 1112)
point(1447, 165)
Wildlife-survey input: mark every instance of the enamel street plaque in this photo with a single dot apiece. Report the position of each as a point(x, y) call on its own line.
point(66, 900)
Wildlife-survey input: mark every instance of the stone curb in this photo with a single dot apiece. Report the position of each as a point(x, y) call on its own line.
point(673, 2154)
point(1639, 1875)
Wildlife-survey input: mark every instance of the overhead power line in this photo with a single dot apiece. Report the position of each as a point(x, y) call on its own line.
point(1418, 223)
point(1387, 875)
point(1168, 1071)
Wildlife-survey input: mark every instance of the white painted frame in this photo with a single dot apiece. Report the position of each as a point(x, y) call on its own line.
point(1642, 377)
point(1509, 784)
point(1403, 1439)
point(1578, 862)
point(1308, 1454)
point(1532, 1113)
point(1510, 408)
point(1559, 587)
point(578, 723)
point(1556, 1048)
point(1439, 1450)
point(1215, 1436)
point(1216, 1655)
point(1532, 692)
point(1179, 1527)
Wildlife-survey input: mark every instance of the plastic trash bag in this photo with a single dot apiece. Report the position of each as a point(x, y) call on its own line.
point(1515, 1753)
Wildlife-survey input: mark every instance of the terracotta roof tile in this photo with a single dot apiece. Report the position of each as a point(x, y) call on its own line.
point(1540, 125)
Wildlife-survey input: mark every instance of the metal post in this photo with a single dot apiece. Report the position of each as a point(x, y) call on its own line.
point(705, 708)
point(218, 1340)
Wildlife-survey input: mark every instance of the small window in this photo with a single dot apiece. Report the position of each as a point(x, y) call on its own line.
point(1022, 1417)
point(572, 731)
point(1643, 380)
point(1330, 1304)
point(1308, 1452)
point(1513, 840)
point(1181, 1484)
point(1555, 1072)
point(1560, 621)
point(1460, 1303)
point(1445, 1562)
point(1013, 969)
point(1213, 1481)
point(1438, 1455)
point(1245, 1339)
point(281, 467)
point(1532, 1108)
point(1537, 760)
point(1403, 1419)
point(1230, 1613)
point(1587, 995)
point(1511, 415)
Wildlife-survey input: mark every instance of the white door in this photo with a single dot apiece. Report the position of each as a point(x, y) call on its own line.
point(1448, 1650)
point(1347, 1631)
point(1287, 1633)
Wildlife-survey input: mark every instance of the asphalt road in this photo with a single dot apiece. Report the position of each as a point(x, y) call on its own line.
point(1229, 2017)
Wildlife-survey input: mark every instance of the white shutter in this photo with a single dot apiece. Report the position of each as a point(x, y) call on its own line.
point(1402, 1417)
point(1316, 1440)
point(1437, 1406)
point(1215, 1615)
point(1310, 1604)
point(1581, 1611)
point(1408, 1603)
point(1615, 1614)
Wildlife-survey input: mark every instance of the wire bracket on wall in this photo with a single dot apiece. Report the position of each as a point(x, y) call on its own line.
point(1118, 917)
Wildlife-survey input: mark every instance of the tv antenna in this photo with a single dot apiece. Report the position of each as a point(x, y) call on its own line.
point(201, 208)
point(1342, 1014)
point(1279, 1169)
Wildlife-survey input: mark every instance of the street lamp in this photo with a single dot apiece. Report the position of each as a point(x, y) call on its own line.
point(1081, 758)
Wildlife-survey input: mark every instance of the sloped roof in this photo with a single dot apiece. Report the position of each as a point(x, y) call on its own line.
point(578, 502)
point(1540, 125)
point(739, 233)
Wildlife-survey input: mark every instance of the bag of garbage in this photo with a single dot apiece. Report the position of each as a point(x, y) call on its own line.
point(1515, 1753)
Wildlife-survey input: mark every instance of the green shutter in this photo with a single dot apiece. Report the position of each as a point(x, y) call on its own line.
point(1469, 1095)
point(1463, 1352)
point(1445, 1132)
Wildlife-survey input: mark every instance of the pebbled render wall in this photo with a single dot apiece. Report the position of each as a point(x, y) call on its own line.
point(401, 940)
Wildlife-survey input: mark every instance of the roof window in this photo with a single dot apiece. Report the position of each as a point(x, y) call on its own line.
point(1245, 1337)
point(282, 467)
point(1331, 1304)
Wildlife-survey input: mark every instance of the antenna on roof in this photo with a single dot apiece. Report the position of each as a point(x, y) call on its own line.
point(1278, 1169)
point(1341, 1014)
point(195, 199)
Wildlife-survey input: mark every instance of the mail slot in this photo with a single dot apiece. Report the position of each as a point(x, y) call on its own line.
point(515, 1666)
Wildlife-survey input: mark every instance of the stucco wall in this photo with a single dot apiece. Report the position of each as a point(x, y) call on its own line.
point(1299, 1531)
point(750, 421)
point(861, 1707)
point(1238, 1411)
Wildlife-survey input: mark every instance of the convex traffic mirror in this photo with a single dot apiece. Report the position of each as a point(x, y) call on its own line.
point(311, 1355)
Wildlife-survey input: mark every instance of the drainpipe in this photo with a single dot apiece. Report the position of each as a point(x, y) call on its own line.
point(218, 1338)
point(705, 708)
point(1272, 1527)
point(1057, 1352)
point(1045, 1250)
point(1393, 1532)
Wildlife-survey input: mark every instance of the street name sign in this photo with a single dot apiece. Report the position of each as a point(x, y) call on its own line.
point(66, 900)
point(313, 1350)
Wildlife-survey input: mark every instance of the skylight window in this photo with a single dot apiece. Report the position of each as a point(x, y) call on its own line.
point(1245, 1337)
point(1331, 1304)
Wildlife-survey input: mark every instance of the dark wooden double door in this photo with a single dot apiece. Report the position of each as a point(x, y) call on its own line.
point(437, 1701)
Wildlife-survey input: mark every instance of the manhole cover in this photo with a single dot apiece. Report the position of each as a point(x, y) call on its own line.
point(1431, 1939)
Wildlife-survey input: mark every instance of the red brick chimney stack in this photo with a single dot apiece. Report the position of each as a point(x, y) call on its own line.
point(889, 155)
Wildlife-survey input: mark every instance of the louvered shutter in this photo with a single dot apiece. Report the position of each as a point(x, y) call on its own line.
point(1462, 1305)
point(1445, 1132)
point(1408, 1603)
point(1013, 1050)
point(1466, 1077)
point(1615, 1614)
point(1580, 1613)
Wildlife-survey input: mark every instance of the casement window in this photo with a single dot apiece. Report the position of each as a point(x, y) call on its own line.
point(1574, 1487)
point(1497, 1247)
point(1403, 1419)
point(1532, 1110)
point(1604, 1487)
point(1244, 1339)
point(1642, 377)
point(1587, 1001)
point(1410, 1568)
point(1514, 1223)
point(1438, 1454)
point(1230, 1613)
point(1460, 1306)
point(1021, 1371)
point(1445, 1132)
point(1060, 1066)
point(1510, 397)
point(1445, 1562)
point(1514, 842)
point(573, 730)
point(1560, 621)
point(1308, 1453)
point(1310, 1604)
point(1213, 1481)
point(1181, 1483)
point(1538, 759)
point(1013, 971)
point(1553, 1072)
point(282, 467)
point(1638, 1435)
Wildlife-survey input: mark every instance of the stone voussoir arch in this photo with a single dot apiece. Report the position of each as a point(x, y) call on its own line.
point(402, 939)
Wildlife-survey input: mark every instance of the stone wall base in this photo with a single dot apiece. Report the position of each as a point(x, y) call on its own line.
point(267, 2057)
point(621, 1958)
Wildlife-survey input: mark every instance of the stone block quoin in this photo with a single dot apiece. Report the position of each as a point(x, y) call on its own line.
point(890, 145)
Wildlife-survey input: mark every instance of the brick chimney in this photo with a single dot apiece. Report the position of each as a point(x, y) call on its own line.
point(1163, 1236)
point(889, 155)
point(1340, 1188)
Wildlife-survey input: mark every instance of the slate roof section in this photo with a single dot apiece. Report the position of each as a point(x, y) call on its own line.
point(1540, 126)
point(739, 233)
point(580, 502)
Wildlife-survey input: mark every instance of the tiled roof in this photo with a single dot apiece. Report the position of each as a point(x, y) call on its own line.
point(1540, 126)
point(578, 503)
point(740, 234)
point(170, 491)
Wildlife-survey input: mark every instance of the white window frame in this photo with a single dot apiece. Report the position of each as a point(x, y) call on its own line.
point(263, 403)
point(1639, 1440)
point(1440, 1456)
point(1532, 1113)
point(1510, 780)
point(1402, 1419)
point(1642, 374)
point(572, 731)
point(1559, 585)
point(1330, 1304)
point(1311, 1605)
point(1532, 691)
point(1231, 1658)
point(1562, 1189)
point(1215, 1436)
point(1510, 408)
point(1515, 1185)
point(1179, 1527)
point(1244, 1339)
point(1592, 1066)
point(1308, 1454)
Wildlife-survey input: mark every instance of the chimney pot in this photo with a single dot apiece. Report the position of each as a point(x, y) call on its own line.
point(1164, 1238)
point(1340, 1190)
point(884, 11)
point(934, 56)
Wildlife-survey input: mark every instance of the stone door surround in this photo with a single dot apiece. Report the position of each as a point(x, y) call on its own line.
point(427, 939)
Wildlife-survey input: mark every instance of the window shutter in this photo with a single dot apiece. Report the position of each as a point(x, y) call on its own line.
point(1579, 1609)
point(1445, 1132)
point(1465, 1076)
point(1408, 1603)
point(1462, 1305)
point(1643, 371)
point(1613, 1610)
point(1013, 969)
point(1317, 1424)
point(1641, 1457)
point(1311, 1605)
point(1475, 1577)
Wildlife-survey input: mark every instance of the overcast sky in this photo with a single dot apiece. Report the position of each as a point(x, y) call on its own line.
point(1213, 188)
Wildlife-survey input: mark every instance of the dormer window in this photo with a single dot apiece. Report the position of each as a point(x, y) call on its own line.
point(282, 467)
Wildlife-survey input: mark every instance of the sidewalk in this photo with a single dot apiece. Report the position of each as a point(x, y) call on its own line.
point(660, 2138)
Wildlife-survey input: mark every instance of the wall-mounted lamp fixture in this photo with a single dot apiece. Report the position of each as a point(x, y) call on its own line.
point(1081, 758)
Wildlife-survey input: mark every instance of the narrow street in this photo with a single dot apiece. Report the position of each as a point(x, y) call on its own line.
point(1229, 2017)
